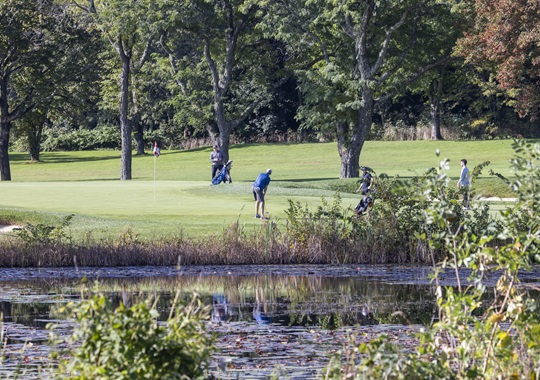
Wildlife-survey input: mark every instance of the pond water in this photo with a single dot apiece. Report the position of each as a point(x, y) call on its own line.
point(279, 321)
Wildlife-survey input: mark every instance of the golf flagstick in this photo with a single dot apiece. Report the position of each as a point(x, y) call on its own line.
point(156, 155)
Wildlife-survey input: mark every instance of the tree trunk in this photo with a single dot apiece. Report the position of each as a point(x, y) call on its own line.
point(5, 126)
point(136, 125)
point(224, 144)
point(224, 128)
point(435, 108)
point(5, 172)
point(34, 130)
point(350, 140)
point(213, 131)
point(139, 138)
point(34, 141)
point(125, 125)
point(348, 153)
point(435, 119)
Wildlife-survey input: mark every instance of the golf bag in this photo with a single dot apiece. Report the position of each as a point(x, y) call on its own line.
point(224, 175)
point(363, 205)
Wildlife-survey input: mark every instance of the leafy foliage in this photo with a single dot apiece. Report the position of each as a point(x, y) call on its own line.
point(394, 230)
point(43, 233)
point(504, 41)
point(329, 225)
point(129, 343)
point(106, 137)
point(472, 338)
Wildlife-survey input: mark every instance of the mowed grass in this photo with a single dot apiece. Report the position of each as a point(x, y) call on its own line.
point(171, 194)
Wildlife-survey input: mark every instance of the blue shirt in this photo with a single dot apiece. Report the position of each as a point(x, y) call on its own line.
point(262, 181)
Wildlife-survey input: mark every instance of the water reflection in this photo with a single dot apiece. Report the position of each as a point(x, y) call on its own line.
point(285, 300)
point(220, 309)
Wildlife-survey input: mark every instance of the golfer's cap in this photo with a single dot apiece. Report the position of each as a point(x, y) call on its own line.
point(269, 171)
point(215, 146)
point(363, 168)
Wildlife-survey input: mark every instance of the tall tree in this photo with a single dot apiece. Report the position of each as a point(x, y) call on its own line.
point(505, 40)
point(26, 54)
point(360, 54)
point(130, 27)
point(67, 86)
point(221, 64)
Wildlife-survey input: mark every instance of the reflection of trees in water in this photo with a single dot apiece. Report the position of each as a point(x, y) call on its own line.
point(32, 314)
point(286, 299)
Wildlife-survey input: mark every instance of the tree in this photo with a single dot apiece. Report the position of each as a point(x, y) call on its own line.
point(221, 65)
point(27, 53)
point(439, 84)
point(66, 87)
point(360, 54)
point(504, 40)
point(130, 27)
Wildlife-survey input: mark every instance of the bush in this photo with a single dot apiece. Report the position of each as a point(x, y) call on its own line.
point(472, 338)
point(45, 234)
point(58, 139)
point(129, 342)
point(392, 229)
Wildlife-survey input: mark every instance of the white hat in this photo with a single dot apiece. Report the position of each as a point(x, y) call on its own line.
point(269, 171)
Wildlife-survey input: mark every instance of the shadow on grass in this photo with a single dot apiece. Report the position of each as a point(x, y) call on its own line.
point(303, 180)
point(56, 157)
point(63, 157)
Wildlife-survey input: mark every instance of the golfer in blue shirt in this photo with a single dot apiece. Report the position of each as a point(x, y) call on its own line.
point(259, 190)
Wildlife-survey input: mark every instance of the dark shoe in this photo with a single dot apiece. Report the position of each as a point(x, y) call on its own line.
point(257, 216)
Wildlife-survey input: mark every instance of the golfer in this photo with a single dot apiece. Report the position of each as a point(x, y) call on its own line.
point(216, 158)
point(464, 183)
point(259, 190)
point(366, 182)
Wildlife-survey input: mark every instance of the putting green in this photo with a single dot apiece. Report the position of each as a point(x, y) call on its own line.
point(152, 208)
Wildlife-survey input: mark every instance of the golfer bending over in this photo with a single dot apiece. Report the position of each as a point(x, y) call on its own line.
point(259, 190)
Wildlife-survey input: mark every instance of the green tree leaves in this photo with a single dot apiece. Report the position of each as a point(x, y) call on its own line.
point(128, 342)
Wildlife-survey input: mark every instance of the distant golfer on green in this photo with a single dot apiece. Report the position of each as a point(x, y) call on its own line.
point(464, 183)
point(259, 190)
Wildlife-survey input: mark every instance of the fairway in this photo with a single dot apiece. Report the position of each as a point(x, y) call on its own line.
point(172, 194)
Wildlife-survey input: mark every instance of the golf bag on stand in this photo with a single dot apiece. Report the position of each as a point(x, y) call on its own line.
point(224, 175)
point(363, 205)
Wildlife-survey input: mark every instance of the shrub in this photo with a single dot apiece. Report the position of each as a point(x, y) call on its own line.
point(329, 229)
point(472, 338)
point(45, 234)
point(129, 343)
point(58, 139)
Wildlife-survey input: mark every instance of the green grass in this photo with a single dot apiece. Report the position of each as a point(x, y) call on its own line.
point(180, 199)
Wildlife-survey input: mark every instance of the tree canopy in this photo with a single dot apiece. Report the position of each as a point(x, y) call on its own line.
point(247, 70)
point(504, 40)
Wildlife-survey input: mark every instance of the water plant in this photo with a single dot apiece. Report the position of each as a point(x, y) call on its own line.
point(469, 338)
point(128, 342)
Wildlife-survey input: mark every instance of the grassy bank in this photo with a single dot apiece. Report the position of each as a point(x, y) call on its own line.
point(171, 196)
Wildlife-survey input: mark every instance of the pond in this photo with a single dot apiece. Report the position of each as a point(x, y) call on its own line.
point(281, 321)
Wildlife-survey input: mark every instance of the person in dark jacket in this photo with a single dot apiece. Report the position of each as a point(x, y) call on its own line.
point(216, 158)
point(365, 182)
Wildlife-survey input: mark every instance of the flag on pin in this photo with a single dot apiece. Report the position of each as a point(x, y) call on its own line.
point(156, 149)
